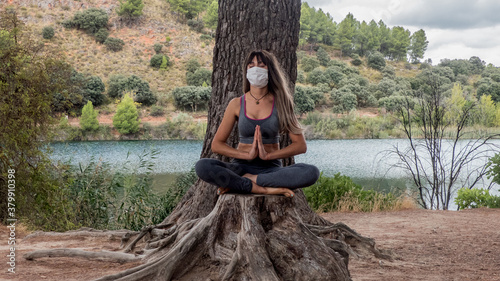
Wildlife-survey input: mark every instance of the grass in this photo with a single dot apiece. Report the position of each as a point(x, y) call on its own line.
point(340, 193)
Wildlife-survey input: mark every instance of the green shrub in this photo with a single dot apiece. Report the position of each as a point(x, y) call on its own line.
point(309, 63)
point(340, 193)
point(323, 57)
point(196, 25)
point(184, 127)
point(114, 44)
point(476, 198)
point(376, 60)
point(101, 35)
point(126, 119)
point(93, 90)
point(392, 103)
point(159, 61)
point(48, 32)
point(302, 100)
point(157, 47)
point(118, 84)
point(198, 77)
point(90, 20)
point(205, 37)
point(192, 65)
point(157, 110)
point(191, 97)
point(317, 76)
point(130, 9)
point(88, 120)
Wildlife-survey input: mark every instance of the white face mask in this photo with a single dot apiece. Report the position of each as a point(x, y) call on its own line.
point(257, 76)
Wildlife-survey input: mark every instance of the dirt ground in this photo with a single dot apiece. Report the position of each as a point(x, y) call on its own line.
point(428, 245)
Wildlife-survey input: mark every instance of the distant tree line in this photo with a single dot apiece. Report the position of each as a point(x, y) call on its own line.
point(351, 36)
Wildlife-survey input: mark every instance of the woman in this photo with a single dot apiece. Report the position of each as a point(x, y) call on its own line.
point(263, 112)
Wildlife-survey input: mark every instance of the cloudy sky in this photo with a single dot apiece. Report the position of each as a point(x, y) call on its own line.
point(455, 29)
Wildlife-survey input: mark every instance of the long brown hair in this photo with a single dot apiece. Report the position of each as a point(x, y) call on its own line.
point(279, 87)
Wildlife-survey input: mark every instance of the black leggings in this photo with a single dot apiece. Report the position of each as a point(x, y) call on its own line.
point(269, 174)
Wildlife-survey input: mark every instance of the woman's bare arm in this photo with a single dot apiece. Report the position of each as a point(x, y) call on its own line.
point(298, 146)
point(219, 144)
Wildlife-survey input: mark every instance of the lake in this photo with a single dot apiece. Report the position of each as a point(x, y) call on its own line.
point(363, 160)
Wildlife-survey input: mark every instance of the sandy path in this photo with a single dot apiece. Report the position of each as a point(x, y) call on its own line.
point(430, 245)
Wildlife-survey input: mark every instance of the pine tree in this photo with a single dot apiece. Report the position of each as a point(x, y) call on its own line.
point(126, 119)
point(130, 9)
point(323, 57)
point(88, 120)
point(418, 45)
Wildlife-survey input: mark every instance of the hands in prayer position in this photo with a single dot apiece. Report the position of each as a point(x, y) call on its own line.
point(257, 149)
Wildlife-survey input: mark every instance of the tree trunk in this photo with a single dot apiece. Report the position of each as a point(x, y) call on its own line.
point(243, 237)
point(243, 26)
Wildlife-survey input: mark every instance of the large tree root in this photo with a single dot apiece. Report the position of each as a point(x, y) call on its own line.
point(245, 237)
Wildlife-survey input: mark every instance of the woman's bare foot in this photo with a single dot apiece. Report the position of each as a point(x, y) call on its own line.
point(272, 190)
point(222, 190)
point(252, 177)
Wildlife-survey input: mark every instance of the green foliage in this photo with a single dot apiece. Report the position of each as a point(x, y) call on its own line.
point(191, 97)
point(183, 126)
point(90, 20)
point(118, 84)
point(188, 8)
point(317, 76)
point(376, 61)
point(344, 100)
point(394, 103)
point(323, 57)
point(126, 119)
point(211, 17)
point(476, 198)
point(92, 189)
point(105, 199)
point(316, 26)
point(164, 63)
point(331, 193)
point(493, 168)
point(130, 9)
point(192, 65)
point(101, 35)
point(302, 100)
point(157, 110)
point(198, 77)
point(309, 63)
point(88, 120)
point(29, 75)
point(156, 60)
point(48, 32)
point(114, 44)
point(157, 47)
point(356, 60)
point(93, 90)
point(196, 25)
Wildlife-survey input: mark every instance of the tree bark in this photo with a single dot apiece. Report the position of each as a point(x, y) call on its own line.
point(242, 26)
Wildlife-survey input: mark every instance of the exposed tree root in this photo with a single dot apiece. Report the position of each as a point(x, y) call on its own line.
point(86, 232)
point(363, 246)
point(101, 256)
point(245, 237)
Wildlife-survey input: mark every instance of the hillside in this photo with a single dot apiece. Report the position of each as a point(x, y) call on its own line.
point(89, 57)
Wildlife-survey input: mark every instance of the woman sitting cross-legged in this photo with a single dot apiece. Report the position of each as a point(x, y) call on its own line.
point(265, 110)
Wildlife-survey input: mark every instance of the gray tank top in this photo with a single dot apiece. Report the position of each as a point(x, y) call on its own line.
point(269, 126)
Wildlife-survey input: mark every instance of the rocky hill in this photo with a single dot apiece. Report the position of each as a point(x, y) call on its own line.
point(87, 56)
